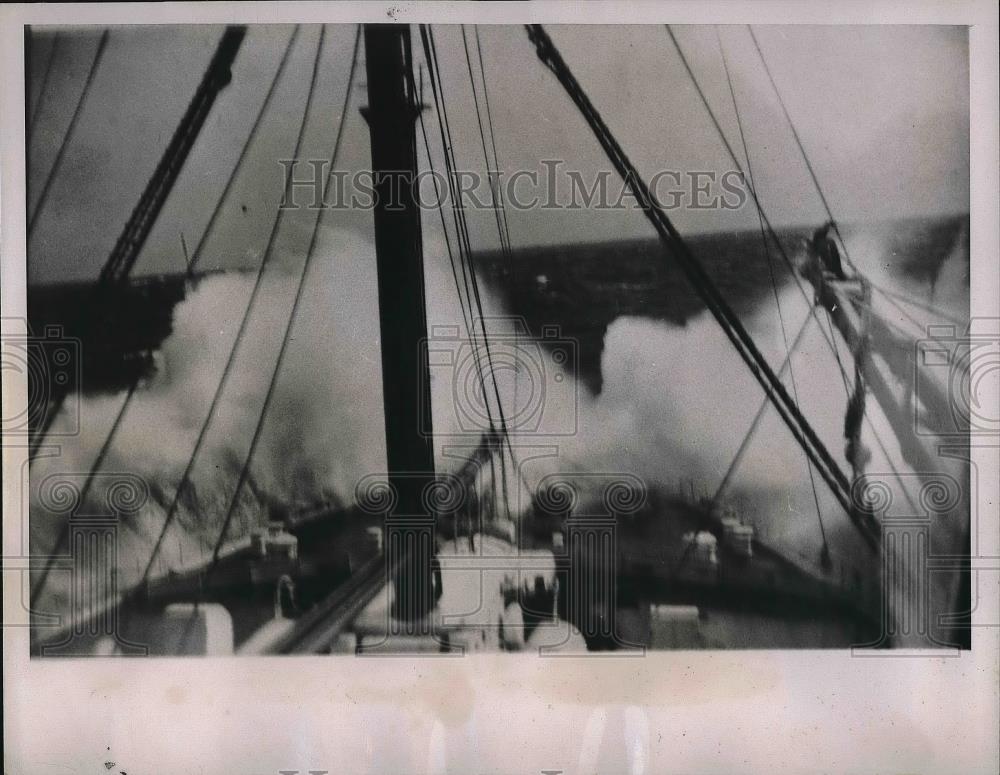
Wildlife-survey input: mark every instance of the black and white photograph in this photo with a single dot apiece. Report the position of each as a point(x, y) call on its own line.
point(458, 340)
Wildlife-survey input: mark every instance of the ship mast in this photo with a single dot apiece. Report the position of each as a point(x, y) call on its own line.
point(391, 114)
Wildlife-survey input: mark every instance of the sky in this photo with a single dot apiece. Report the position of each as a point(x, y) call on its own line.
point(882, 112)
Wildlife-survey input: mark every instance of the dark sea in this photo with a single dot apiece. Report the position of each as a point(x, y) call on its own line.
point(584, 288)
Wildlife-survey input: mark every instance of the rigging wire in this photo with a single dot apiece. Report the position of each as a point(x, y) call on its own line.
point(290, 325)
point(465, 249)
point(465, 245)
point(466, 315)
point(57, 163)
point(753, 192)
point(95, 466)
point(802, 150)
point(196, 255)
point(227, 369)
point(458, 214)
point(39, 100)
point(464, 302)
point(511, 267)
point(462, 231)
point(496, 157)
point(737, 457)
point(490, 173)
point(472, 286)
point(734, 464)
point(797, 424)
point(494, 198)
point(889, 296)
point(774, 282)
point(128, 246)
point(830, 340)
point(473, 280)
